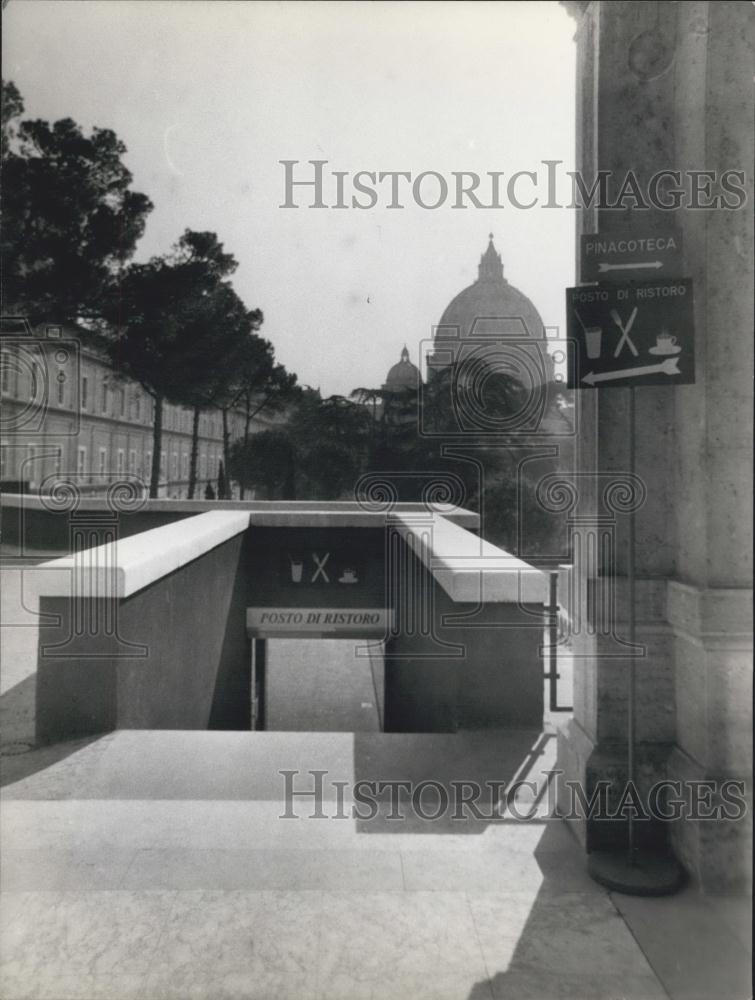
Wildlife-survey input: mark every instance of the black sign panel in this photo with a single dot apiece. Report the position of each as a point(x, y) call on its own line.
point(317, 567)
point(633, 334)
point(641, 255)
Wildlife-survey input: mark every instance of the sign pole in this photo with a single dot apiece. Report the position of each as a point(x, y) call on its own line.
point(638, 872)
point(611, 350)
point(630, 595)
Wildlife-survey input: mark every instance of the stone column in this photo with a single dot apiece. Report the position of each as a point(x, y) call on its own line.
point(710, 596)
point(667, 87)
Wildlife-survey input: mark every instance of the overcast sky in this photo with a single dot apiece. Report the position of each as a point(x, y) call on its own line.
point(209, 97)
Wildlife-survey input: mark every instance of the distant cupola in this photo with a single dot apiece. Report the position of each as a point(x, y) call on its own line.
point(403, 375)
point(491, 266)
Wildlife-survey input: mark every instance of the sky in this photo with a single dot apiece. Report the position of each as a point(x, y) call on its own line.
point(209, 97)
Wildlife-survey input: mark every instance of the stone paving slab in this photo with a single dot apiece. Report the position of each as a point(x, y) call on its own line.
point(698, 947)
point(124, 896)
point(324, 944)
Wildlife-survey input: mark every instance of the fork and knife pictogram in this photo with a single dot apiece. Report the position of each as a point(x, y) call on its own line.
point(625, 338)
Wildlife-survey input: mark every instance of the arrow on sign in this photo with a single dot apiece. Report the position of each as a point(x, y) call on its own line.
point(668, 367)
point(654, 264)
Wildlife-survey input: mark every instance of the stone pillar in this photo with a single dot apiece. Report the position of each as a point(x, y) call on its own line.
point(668, 87)
point(710, 597)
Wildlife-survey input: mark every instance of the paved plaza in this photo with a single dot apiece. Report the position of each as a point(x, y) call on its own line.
point(156, 864)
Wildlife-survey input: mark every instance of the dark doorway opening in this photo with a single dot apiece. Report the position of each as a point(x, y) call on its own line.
point(319, 685)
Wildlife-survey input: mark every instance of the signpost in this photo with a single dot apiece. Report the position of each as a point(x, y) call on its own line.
point(629, 334)
point(641, 255)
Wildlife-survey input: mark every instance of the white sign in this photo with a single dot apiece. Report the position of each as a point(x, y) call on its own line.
point(643, 254)
point(273, 622)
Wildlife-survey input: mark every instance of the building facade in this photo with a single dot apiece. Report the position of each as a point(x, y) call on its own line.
point(66, 414)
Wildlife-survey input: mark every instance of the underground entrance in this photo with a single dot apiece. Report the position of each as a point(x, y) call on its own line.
point(319, 685)
point(153, 631)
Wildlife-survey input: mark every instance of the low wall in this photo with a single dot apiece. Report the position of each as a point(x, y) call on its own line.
point(45, 525)
point(36, 530)
point(179, 676)
point(469, 630)
point(147, 634)
point(149, 631)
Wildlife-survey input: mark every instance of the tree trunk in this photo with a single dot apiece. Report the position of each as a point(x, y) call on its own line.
point(157, 440)
point(226, 448)
point(247, 419)
point(247, 423)
point(194, 451)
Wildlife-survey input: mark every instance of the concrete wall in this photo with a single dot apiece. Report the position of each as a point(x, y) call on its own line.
point(455, 665)
point(175, 653)
point(178, 660)
point(40, 525)
point(40, 531)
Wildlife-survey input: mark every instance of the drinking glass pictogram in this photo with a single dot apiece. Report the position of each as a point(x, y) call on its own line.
point(593, 335)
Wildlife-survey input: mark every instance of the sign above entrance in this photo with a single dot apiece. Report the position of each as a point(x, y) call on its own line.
point(318, 567)
point(270, 623)
point(633, 334)
point(639, 255)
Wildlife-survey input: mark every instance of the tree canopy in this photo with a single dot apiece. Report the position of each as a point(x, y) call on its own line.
point(70, 218)
point(169, 324)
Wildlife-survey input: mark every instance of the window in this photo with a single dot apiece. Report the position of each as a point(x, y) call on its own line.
point(174, 466)
point(81, 460)
point(104, 397)
point(122, 401)
point(84, 391)
point(202, 462)
point(103, 461)
point(30, 471)
point(9, 363)
point(138, 407)
point(132, 461)
point(120, 460)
